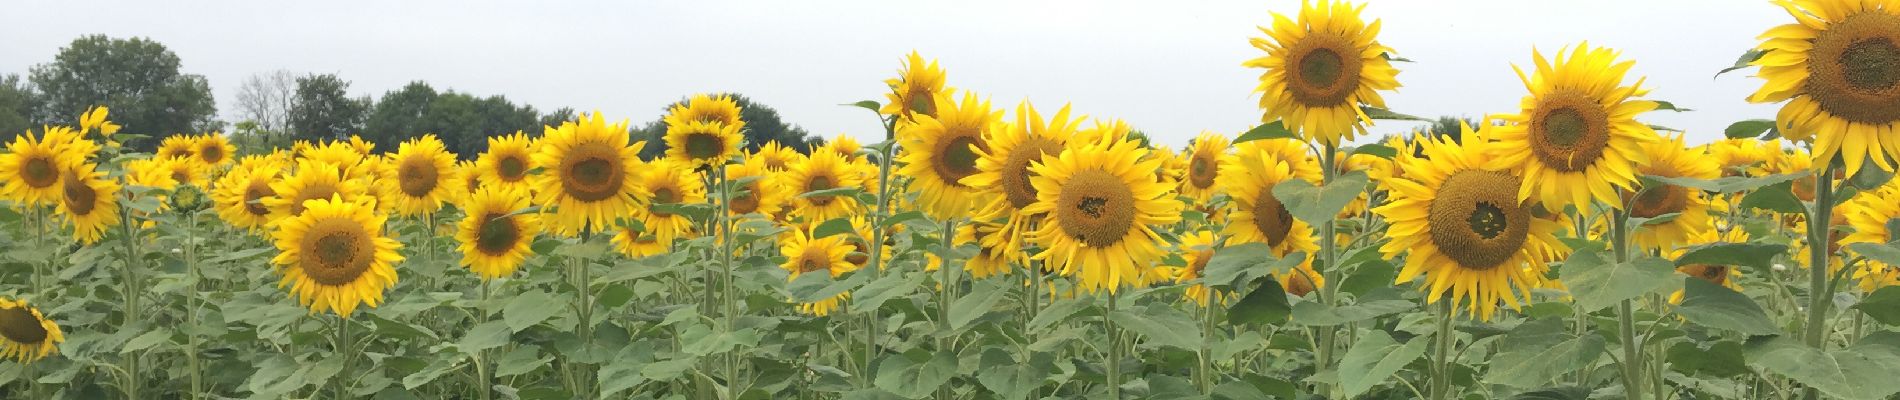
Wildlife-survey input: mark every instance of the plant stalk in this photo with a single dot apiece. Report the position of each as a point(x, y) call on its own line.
point(1820, 240)
point(1626, 312)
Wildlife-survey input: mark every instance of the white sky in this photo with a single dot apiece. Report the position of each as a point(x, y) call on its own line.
point(1170, 68)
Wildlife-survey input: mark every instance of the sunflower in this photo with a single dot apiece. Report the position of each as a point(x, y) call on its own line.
point(1004, 169)
point(1713, 273)
point(824, 170)
point(213, 149)
point(1457, 215)
point(1577, 138)
point(346, 158)
point(494, 240)
point(468, 180)
point(95, 118)
point(777, 158)
point(508, 161)
point(637, 244)
point(1196, 249)
point(989, 260)
point(178, 146)
point(719, 109)
point(1101, 199)
point(334, 256)
point(916, 89)
point(1320, 71)
point(241, 193)
point(1796, 160)
point(1203, 166)
point(1669, 158)
point(88, 202)
point(1739, 157)
point(26, 335)
point(1249, 174)
point(593, 174)
point(671, 182)
point(759, 192)
point(152, 173)
point(805, 253)
point(416, 179)
point(312, 180)
point(1174, 166)
point(845, 145)
point(701, 143)
point(30, 169)
point(940, 150)
point(1875, 216)
point(1834, 68)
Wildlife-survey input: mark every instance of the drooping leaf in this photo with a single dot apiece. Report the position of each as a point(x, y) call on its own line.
point(1758, 257)
point(1317, 205)
point(1708, 304)
point(1883, 305)
point(1864, 370)
point(1011, 379)
point(1270, 130)
point(974, 304)
point(1374, 358)
point(1885, 253)
point(831, 227)
point(1749, 128)
point(1265, 304)
point(872, 105)
point(1539, 351)
point(1747, 58)
point(1778, 197)
point(1597, 281)
point(1721, 359)
point(817, 286)
point(915, 374)
point(1161, 328)
point(528, 308)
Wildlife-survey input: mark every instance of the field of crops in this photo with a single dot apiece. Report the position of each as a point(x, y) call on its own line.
point(1565, 249)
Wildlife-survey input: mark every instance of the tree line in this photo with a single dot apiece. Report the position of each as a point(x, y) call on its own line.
point(141, 80)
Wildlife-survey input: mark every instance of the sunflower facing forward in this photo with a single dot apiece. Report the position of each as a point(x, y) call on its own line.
point(1004, 168)
point(759, 191)
point(1669, 158)
point(1250, 173)
point(807, 254)
point(1320, 71)
point(212, 149)
point(25, 334)
point(1101, 200)
point(824, 170)
point(493, 239)
point(1835, 68)
point(313, 180)
point(701, 143)
point(1203, 166)
point(1577, 138)
point(239, 195)
point(916, 89)
point(670, 182)
point(30, 169)
point(178, 146)
point(775, 156)
point(719, 109)
point(507, 162)
point(1458, 216)
point(88, 202)
point(940, 151)
point(592, 177)
point(416, 179)
point(335, 257)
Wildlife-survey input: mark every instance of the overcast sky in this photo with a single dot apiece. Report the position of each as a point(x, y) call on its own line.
point(1170, 68)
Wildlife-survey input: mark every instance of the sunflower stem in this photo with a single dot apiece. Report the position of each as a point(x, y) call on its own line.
point(1441, 358)
point(482, 371)
point(191, 304)
point(722, 234)
point(128, 289)
point(342, 349)
point(1205, 374)
point(877, 244)
point(1327, 256)
point(1114, 360)
point(1626, 312)
point(1819, 241)
point(945, 339)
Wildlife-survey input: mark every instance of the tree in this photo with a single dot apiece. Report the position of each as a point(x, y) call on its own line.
point(138, 78)
point(555, 118)
point(323, 109)
point(462, 121)
point(762, 125)
point(398, 115)
point(17, 104)
point(266, 99)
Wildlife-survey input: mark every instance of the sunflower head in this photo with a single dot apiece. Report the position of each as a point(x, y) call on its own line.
point(1836, 68)
point(494, 237)
point(417, 179)
point(1577, 137)
point(312, 180)
point(1671, 158)
point(1101, 200)
point(759, 190)
point(509, 161)
point(720, 109)
point(670, 182)
point(178, 146)
point(844, 145)
point(939, 151)
point(1458, 216)
point(1249, 175)
point(213, 149)
point(824, 170)
point(1196, 249)
point(1875, 217)
point(775, 157)
point(1321, 70)
point(88, 202)
point(335, 257)
point(95, 118)
point(917, 88)
point(30, 169)
point(239, 195)
point(701, 143)
point(25, 334)
point(592, 177)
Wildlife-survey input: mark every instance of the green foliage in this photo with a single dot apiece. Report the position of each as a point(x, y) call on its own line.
point(138, 78)
point(463, 122)
point(323, 109)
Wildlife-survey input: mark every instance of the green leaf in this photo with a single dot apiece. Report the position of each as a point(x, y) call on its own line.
point(1376, 150)
point(1669, 106)
point(441, 365)
point(146, 341)
point(1161, 328)
point(902, 217)
point(872, 105)
point(1393, 58)
point(710, 343)
point(519, 361)
point(1009, 378)
point(1778, 197)
point(1317, 205)
point(1313, 313)
point(1555, 393)
point(625, 372)
point(1883, 305)
point(1758, 257)
point(1266, 304)
point(1270, 130)
point(529, 308)
point(1233, 266)
point(1596, 281)
point(834, 226)
point(1727, 184)
point(1708, 304)
point(978, 302)
point(1749, 128)
point(847, 191)
point(1380, 113)
point(1541, 350)
point(1374, 358)
point(812, 287)
point(916, 373)
point(894, 284)
point(1864, 370)
point(1057, 312)
point(1720, 359)
point(484, 336)
point(1885, 253)
point(667, 370)
point(1747, 57)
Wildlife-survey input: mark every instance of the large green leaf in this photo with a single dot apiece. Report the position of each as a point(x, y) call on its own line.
point(1885, 253)
point(1727, 184)
point(809, 288)
point(1719, 359)
point(893, 284)
point(974, 304)
point(1057, 312)
point(1009, 378)
point(1758, 257)
point(1745, 129)
point(1597, 281)
point(1317, 205)
point(1270, 130)
point(1234, 266)
point(1708, 304)
point(1864, 370)
point(1778, 197)
point(1313, 313)
point(529, 308)
point(1164, 327)
point(484, 336)
point(1539, 351)
point(1266, 304)
point(1883, 305)
point(1374, 358)
point(916, 373)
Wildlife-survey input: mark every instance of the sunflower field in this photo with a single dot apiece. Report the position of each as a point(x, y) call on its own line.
point(1564, 249)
